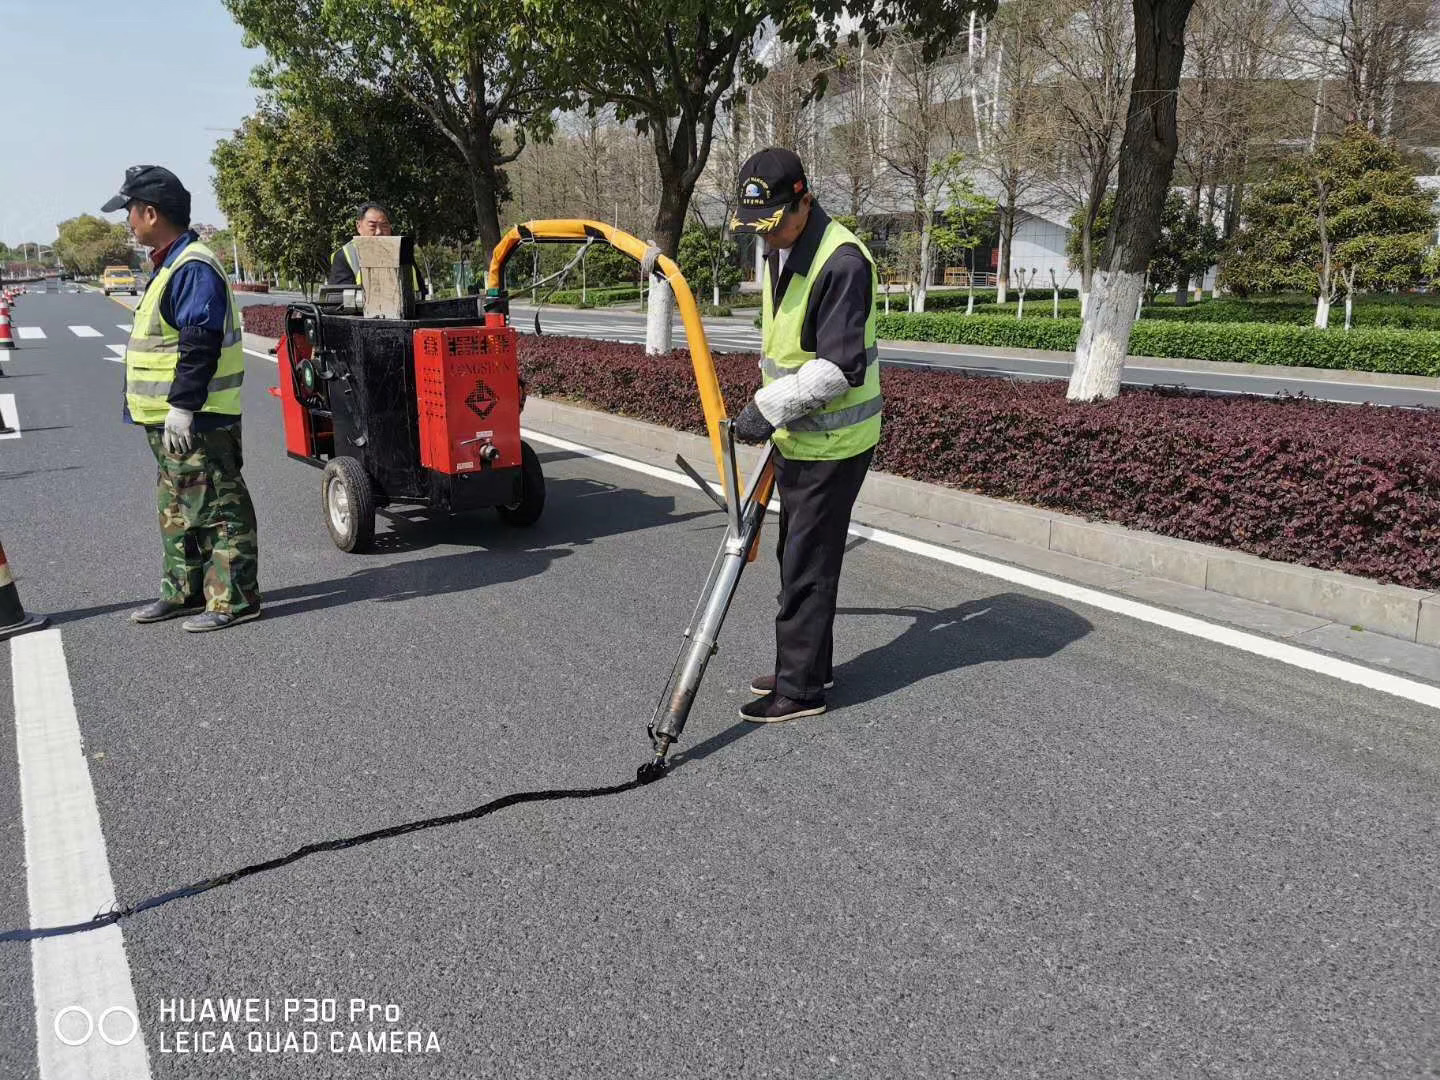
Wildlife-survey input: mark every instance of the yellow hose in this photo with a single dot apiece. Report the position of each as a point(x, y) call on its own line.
point(579, 231)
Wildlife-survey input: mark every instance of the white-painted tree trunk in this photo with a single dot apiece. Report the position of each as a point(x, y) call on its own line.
point(970, 301)
point(657, 317)
point(1105, 335)
point(1349, 308)
point(1322, 310)
point(1000, 282)
point(1084, 303)
point(922, 285)
point(717, 289)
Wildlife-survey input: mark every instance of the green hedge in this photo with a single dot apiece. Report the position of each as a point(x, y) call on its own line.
point(1404, 352)
point(617, 294)
point(1368, 313)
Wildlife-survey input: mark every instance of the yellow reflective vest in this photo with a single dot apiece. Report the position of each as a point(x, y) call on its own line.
point(154, 349)
point(850, 424)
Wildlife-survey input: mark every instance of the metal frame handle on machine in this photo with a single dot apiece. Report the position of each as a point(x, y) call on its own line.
point(744, 505)
point(577, 231)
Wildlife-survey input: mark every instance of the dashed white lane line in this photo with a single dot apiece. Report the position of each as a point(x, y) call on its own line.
point(9, 416)
point(1305, 659)
point(24, 332)
point(262, 356)
point(85, 331)
point(82, 979)
point(118, 350)
point(127, 327)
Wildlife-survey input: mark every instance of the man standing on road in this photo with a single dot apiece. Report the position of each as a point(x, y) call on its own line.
point(374, 220)
point(820, 403)
point(184, 371)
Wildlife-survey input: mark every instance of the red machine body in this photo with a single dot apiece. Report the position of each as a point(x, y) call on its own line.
point(467, 386)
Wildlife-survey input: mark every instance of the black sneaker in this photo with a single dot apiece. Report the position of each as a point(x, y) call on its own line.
point(160, 610)
point(765, 684)
point(776, 709)
point(217, 620)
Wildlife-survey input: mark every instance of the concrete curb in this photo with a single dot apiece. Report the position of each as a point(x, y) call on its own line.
point(1393, 610)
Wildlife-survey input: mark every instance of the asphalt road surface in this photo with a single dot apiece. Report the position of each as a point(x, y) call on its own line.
point(1032, 839)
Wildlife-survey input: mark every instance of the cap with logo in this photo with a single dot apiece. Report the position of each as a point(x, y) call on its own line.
point(769, 182)
point(153, 184)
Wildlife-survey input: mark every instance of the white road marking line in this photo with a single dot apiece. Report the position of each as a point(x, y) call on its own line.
point(127, 327)
point(69, 881)
point(118, 350)
point(9, 416)
point(262, 356)
point(29, 332)
point(85, 331)
point(117, 358)
point(1318, 663)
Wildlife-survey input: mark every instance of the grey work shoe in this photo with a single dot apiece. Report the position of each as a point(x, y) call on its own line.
point(765, 684)
point(776, 709)
point(217, 620)
point(160, 610)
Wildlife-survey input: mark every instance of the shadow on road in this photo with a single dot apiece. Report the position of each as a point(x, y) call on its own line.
point(1007, 626)
point(578, 510)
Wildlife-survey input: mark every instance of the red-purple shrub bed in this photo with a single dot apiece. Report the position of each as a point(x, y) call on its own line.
point(1342, 487)
point(267, 320)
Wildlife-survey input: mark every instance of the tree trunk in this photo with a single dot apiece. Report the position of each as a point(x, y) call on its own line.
point(483, 186)
point(1007, 242)
point(669, 224)
point(1147, 162)
point(922, 283)
point(1322, 309)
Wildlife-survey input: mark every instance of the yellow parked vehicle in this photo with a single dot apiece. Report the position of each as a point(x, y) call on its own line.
point(118, 279)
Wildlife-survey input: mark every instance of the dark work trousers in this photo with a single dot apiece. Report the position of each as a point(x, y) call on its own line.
point(816, 498)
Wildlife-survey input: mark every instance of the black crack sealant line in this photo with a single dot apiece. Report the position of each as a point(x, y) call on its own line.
point(744, 517)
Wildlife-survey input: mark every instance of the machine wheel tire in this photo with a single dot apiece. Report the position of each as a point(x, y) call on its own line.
point(348, 500)
point(531, 504)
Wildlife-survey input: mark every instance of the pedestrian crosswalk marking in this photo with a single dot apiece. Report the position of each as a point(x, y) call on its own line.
point(29, 332)
point(119, 357)
point(118, 349)
point(127, 327)
point(85, 331)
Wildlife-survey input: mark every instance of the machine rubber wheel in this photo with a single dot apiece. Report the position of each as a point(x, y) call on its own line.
point(531, 504)
point(348, 500)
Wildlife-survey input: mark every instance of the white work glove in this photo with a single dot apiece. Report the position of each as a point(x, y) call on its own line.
point(179, 437)
point(815, 383)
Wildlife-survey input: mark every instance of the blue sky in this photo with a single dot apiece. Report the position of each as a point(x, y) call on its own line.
point(124, 84)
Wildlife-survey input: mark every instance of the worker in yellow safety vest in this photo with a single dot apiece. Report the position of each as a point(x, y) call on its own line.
point(374, 220)
point(819, 403)
point(184, 376)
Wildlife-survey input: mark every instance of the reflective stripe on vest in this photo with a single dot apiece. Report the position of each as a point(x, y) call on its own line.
point(352, 259)
point(154, 350)
point(850, 424)
point(771, 370)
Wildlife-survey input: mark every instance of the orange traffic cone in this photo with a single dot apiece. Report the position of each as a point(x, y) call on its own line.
point(13, 619)
point(6, 341)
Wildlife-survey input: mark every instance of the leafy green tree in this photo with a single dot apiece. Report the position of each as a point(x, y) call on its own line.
point(471, 67)
point(964, 223)
point(87, 244)
point(709, 260)
point(670, 66)
point(606, 266)
point(283, 184)
point(293, 176)
point(1187, 246)
point(1348, 216)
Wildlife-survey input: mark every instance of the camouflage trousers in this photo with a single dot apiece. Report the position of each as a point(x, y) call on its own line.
point(207, 522)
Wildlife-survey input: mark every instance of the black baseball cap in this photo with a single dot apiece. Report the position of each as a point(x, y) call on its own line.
point(153, 184)
point(769, 182)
